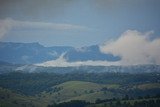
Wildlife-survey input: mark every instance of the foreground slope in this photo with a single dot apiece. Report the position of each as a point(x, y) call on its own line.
point(12, 99)
point(78, 90)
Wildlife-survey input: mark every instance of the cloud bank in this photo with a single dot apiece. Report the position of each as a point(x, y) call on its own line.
point(8, 24)
point(134, 48)
point(62, 62)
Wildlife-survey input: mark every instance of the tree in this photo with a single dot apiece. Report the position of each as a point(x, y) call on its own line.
point(126, 97)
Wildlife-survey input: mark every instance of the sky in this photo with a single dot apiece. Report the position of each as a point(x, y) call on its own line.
point(76, 22)
point(126, 28)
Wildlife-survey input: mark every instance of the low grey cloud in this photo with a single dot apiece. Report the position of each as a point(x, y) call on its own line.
point(62, 62)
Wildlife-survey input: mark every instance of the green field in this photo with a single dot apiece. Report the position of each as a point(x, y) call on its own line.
point(148, 86)
point(78, 90)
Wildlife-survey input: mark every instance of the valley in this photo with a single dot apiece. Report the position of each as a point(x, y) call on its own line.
point(79, 53)
point(72, 77)
point(44, 89)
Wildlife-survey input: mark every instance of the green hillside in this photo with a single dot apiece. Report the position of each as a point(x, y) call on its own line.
point(90, 92)
point(11, 99)
point(71, 90)
point(148, 86)
point(143, 102)
point(77, 90)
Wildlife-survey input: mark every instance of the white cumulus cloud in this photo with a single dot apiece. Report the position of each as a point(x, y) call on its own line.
point(134, 48)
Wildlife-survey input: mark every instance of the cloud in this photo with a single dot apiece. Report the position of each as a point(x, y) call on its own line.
point(8, 24)
point(62, 62)
point(134, 48)
point(5, 26)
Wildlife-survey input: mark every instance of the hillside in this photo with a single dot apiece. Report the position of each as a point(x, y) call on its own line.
point(90, 92)
point(12, 99)
point(78, 90)
point(146, 101)
point(96, 93)
point(71, 90)
point(34, 83)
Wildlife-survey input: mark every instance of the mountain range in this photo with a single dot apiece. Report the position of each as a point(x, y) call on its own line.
point(28, 57)
point(32, 53)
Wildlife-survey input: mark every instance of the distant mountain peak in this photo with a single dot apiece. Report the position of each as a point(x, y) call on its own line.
point(31, 53)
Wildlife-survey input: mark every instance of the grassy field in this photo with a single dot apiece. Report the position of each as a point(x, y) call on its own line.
point(78, 90)
point(149, 86)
